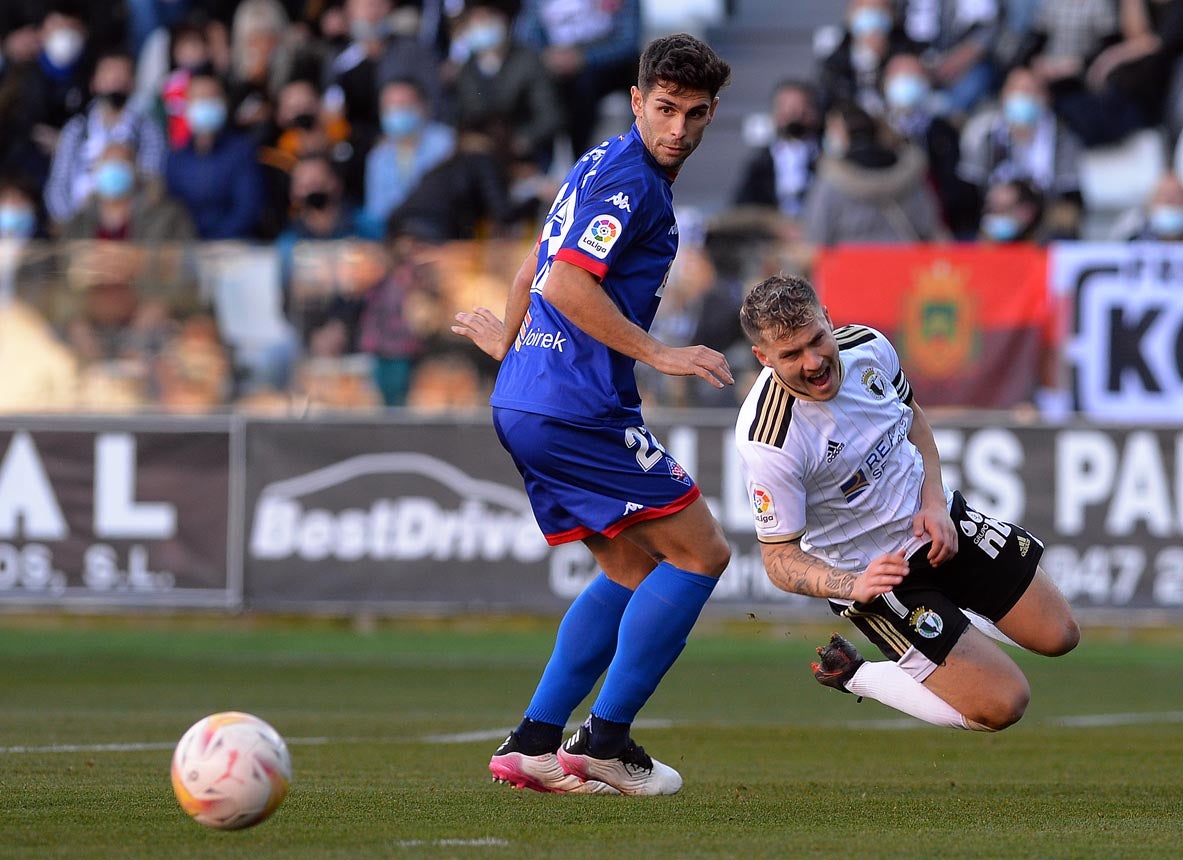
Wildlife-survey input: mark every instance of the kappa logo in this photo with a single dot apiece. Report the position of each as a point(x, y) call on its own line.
point(632, 508)
point(620, 201)
point(833, 449)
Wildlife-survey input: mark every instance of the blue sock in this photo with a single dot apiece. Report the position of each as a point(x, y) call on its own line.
point(583, 649)
point(653, 633)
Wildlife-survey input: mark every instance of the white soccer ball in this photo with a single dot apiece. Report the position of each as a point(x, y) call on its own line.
point(231, 770)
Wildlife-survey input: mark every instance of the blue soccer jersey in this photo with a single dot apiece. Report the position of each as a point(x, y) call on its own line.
point(613, 217)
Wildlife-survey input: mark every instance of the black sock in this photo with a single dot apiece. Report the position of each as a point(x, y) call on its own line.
point(607, 739)
point(537, 738)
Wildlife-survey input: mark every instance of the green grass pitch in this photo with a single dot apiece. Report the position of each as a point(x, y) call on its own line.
point(390, 730)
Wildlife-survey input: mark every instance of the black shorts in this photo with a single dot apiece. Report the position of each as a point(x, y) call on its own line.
point(994, 564)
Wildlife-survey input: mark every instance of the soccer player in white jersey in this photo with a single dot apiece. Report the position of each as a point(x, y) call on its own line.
point(845, 482)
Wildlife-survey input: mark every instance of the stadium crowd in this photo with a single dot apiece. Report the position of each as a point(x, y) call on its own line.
point(372, 158)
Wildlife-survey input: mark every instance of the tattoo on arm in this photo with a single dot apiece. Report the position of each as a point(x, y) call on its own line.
point(792, 569)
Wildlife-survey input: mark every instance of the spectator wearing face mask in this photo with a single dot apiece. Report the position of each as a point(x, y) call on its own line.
point(39, 94)
point(123, 207)
point(110, 119)
point(189, 54)
point(216, 174)
point(503, 89)
point(302, 128)
point(19, 218)
point(907, 91)
point(411, 145)
point(778, 176)
point(853, 71)
point(1020, 138)
point(1013, 212)
point(319, 210)
point(376, 53)
point(1159, 219)
point(29, 272)
point(868, 189)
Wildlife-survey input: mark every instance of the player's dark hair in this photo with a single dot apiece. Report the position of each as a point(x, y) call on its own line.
point(778, 306)
point(682, 63)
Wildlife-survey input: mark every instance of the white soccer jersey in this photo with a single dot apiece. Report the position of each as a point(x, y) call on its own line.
point(840, 474)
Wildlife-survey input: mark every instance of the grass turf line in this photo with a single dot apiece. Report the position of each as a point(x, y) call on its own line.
point(773, 765)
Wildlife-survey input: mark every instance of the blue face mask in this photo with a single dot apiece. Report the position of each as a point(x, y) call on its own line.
point(1166, 221)
point(206, 116)
point(401, 122)
point(17, 222)
point(905, 92)
point(1022, 109)
point(866, 22)
point(113, 179)
point(484, 37)
point(1000, 228)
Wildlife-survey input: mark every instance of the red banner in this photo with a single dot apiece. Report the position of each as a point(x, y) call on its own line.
point(972, 323)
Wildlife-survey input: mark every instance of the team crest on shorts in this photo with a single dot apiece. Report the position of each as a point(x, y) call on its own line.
point(677, 472)
point(926, 622)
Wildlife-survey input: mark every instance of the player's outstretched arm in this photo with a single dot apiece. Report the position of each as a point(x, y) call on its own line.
point(484, 328)
point(579, 297)
point(792, 569)
point(932, 520)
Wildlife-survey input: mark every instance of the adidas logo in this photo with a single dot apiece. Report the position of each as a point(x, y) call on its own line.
point(630, 507)
point(833, 449)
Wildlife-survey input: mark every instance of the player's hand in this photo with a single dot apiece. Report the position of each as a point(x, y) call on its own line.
point(933, 521)
point(701, 361)
point(881, 576)
point(484, 328)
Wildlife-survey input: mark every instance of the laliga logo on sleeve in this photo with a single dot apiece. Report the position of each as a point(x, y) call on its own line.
point(601, 234)
point(762, 506)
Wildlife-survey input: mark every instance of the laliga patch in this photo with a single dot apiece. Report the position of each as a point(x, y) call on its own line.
point(762, 506)
point(601, 234)
point(926, 622)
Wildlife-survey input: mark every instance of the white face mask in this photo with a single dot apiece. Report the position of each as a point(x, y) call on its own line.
point(63, 46)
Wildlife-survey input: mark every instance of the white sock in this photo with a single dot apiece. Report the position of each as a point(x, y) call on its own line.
point(886, 682)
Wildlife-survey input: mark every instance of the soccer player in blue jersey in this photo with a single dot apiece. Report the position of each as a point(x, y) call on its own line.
point(567, 408)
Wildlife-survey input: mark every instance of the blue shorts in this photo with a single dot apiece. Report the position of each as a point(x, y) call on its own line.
point(591, 479)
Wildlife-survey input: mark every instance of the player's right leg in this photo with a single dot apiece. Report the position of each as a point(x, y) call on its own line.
point(1041, 620)
point(981, 682)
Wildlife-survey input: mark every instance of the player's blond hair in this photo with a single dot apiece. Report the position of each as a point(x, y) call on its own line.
point(778, 306)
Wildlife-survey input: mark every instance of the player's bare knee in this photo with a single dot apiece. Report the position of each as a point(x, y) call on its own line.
point(1069, 638)
point(715, 556)
point(1060, 640)
point(1006, 709)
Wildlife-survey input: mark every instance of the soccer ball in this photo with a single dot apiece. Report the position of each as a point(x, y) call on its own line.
point(231, 770)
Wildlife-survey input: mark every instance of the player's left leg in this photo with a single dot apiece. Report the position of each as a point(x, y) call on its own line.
point(584, 645)
point(653, 631)
point(1041, 620)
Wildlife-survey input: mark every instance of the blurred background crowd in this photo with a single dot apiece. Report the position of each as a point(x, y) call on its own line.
point(279, 204)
